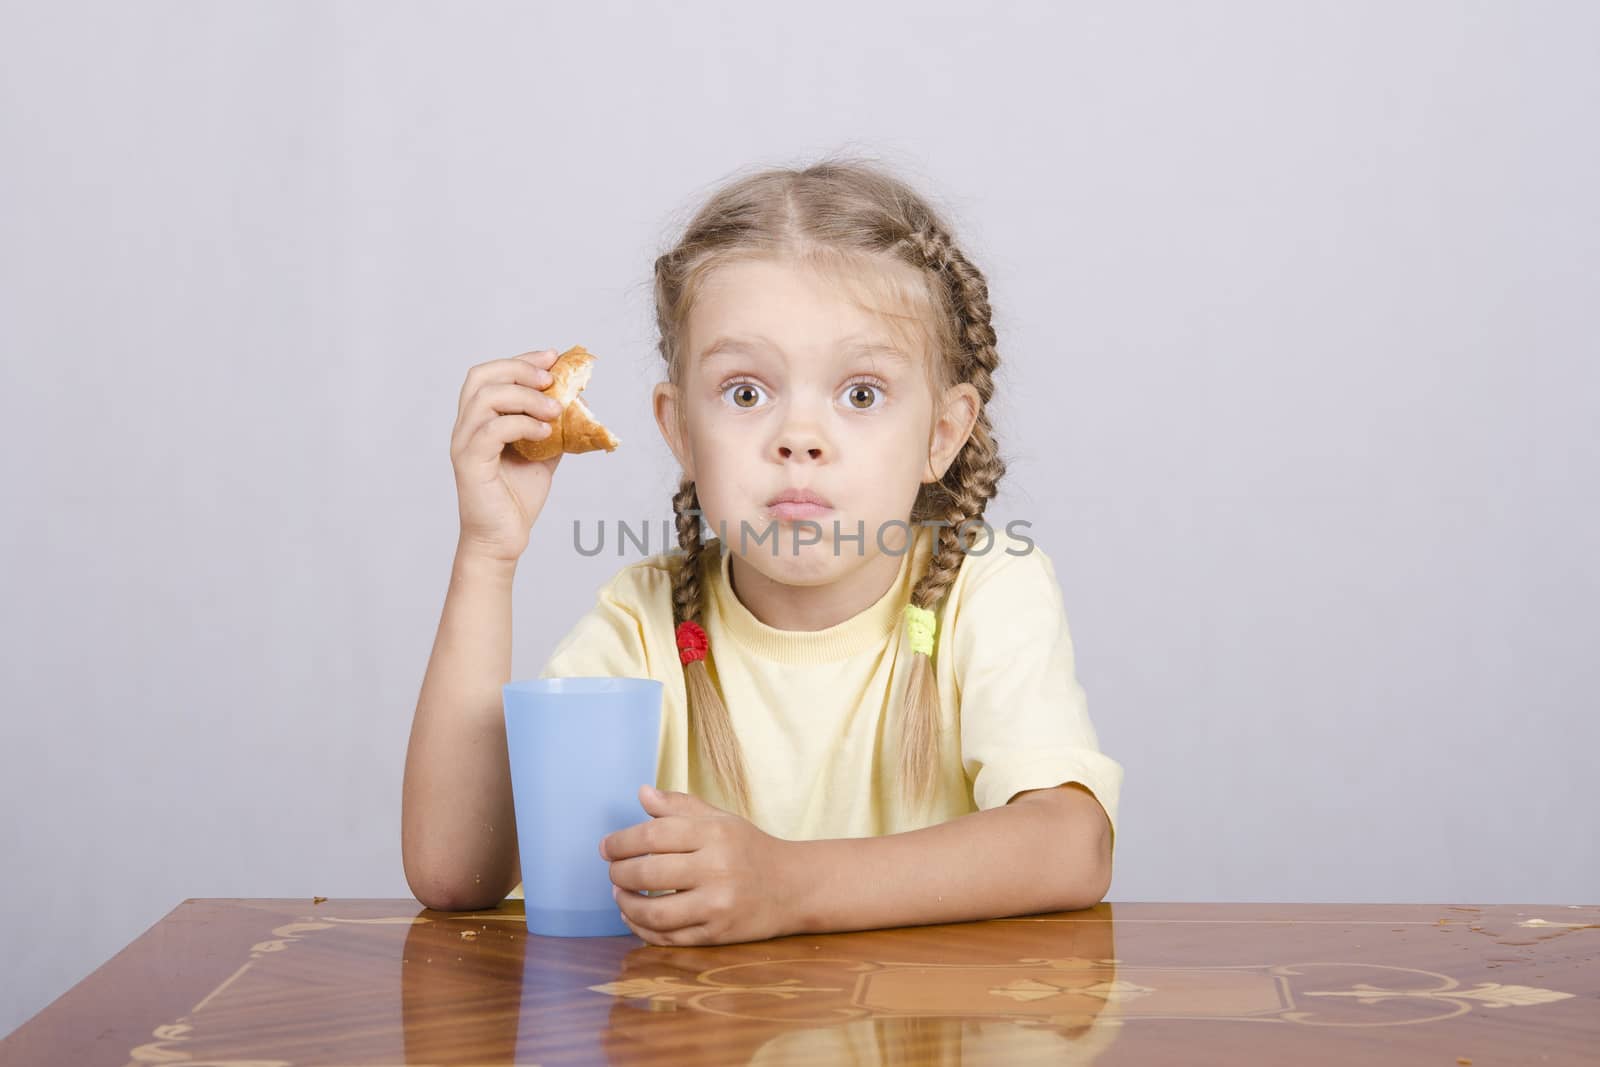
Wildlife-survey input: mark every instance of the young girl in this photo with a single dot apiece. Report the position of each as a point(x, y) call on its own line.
point(871, 714)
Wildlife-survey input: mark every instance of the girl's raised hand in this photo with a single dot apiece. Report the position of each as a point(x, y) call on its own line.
point(732, 880)
point(500, 493)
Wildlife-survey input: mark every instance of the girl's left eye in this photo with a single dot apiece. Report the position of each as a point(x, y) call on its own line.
point(860, 395)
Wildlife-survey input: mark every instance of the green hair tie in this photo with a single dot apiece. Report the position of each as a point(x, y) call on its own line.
point(921, 623)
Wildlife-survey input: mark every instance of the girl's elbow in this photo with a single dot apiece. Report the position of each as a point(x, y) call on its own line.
point(432, 891)
point(439, 887)
point(1085, 886)
point(442, 895)
point(1088, 878)
point(1099, 885)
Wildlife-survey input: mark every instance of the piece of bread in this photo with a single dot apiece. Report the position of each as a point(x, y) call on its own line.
point(577, 430)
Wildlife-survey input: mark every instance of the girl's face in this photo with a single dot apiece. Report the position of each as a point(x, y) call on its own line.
point(789, 384)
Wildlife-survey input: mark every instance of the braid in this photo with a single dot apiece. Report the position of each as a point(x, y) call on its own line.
point(686, 580)
point(959, 497)
point(710, 725)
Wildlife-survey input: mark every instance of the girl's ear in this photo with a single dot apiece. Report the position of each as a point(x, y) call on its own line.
point(957, 416)
point(664, 399)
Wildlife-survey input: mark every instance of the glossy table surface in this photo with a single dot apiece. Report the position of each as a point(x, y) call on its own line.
point(275, 983)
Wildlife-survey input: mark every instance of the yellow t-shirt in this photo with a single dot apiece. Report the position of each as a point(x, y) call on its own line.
point(817, 713)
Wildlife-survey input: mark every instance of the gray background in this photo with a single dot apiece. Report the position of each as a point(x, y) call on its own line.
point(1296, 305)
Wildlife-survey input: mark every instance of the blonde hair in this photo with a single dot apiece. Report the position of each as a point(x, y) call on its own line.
point(850, 216)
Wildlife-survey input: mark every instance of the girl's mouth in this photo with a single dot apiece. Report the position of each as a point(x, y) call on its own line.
point(789, 510)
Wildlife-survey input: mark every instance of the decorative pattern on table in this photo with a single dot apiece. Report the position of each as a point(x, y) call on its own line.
point(1078, 992)
point(168, 1046)
point(1073, 992)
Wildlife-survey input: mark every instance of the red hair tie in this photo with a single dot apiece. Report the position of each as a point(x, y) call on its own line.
point(692, 642)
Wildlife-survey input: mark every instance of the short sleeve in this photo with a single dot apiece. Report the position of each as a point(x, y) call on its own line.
point(608, 641)
point(1024, 718)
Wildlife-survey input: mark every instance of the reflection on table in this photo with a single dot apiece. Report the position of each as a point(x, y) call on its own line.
point(284, 983)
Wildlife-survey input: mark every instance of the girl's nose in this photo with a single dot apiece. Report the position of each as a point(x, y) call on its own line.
point(800, 437)
point(786, 451)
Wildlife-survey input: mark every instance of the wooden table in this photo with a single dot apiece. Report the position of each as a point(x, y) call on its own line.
point(377, 982)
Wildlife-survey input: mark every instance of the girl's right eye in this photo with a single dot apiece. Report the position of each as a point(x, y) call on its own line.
point(741, 394)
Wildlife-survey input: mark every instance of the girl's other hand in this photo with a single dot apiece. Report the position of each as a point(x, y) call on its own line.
point(500, 493)
point(731, 878)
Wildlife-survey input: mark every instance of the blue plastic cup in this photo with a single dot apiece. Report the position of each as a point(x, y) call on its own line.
point(580, 748)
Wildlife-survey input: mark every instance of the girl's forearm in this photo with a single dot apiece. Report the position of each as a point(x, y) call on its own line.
point(1047, 850)
point(457, 827)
